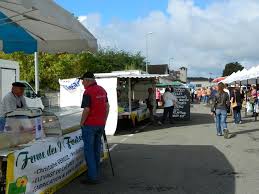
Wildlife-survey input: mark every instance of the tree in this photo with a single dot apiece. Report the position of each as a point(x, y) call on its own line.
point(232, 67)
point(53, 67)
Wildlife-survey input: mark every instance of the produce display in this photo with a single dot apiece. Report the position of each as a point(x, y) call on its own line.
point(22, 126)
point(57, 124)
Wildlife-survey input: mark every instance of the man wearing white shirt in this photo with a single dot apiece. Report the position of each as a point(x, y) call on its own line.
point(11, 102)
point(169, 101)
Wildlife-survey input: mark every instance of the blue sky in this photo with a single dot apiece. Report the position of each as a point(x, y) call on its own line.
point(203, 40)
point(125, 10)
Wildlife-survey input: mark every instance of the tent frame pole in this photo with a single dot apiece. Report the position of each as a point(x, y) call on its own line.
point(246, 97)
point(129, 96)
point(36, 66)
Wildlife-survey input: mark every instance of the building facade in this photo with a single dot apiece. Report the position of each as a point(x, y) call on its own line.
point(199, 82)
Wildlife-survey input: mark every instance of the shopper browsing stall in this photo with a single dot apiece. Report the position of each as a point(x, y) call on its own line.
point(151, 103)
point(11, 102)
point(96, 108)
point(169, 101)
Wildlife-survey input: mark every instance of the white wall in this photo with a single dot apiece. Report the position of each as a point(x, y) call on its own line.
point(183, 74)
point(202, 83)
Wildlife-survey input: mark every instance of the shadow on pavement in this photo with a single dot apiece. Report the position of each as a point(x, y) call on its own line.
point(196, 119)
point(234, 134)
point(147, 169)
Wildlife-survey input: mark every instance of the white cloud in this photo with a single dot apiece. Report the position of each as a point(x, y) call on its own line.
point(204, 40)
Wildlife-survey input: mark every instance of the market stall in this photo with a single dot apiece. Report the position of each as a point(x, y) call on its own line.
point(249, 78)
point(40, 153)
point(127, 93)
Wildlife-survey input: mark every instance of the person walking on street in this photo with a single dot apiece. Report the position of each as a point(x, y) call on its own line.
point(96, 109)
point(169, 101)
point(204, 94)
point(253, 99)
point(208, 94)
point(199, 95)
point(219, 108)
point(236, 105)
point(192, 94)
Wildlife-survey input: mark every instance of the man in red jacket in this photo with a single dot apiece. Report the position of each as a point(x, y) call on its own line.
point(96, 109)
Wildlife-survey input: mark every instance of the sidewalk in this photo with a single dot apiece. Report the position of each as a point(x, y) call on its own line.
point(186, 158)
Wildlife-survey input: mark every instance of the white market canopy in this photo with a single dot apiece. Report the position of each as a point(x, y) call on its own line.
point(251, 74)
point(54, 29)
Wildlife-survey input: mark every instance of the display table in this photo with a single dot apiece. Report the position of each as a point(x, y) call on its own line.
point(46, 165)
point(136, 115)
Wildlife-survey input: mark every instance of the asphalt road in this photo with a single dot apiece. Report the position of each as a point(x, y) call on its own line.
point(184, 158)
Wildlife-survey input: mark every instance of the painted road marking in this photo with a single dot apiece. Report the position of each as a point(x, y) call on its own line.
point(124, 139)
point(112, 147)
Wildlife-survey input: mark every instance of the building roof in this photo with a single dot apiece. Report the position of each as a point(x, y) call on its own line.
point(192, 79)
point(158, 69)
point(36, 25)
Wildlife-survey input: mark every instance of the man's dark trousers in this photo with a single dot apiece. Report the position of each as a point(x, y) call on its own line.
point(168, 111)
point(92, 148)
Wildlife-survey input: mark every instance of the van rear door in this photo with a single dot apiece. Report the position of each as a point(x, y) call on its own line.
point(8, 77)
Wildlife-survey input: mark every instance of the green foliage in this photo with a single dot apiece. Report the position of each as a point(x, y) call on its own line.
point(53, 67)
point(232, 67)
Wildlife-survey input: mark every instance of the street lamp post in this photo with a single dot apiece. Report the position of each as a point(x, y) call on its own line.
point(170, 59)
point(147, 35)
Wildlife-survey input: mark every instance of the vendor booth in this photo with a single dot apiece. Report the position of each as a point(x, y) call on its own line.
point(182, 111)
point(40, 152)
point(127, 93)
point(250, 79)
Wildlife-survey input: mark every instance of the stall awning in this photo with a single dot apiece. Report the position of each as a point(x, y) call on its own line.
point(42, 25)
point(175, 83)
point(129, 74)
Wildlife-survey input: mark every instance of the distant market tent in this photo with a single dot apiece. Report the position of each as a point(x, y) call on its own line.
point(218, 79)
point(41, 25)
point(244, 75)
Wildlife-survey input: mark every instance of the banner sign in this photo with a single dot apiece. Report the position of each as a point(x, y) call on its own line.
point(47, 166)
point(70, 84)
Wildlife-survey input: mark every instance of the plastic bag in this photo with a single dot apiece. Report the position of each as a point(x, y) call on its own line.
point(256, 108)
point(249, 107)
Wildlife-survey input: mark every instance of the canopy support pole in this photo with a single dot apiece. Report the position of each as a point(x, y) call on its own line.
point(129, 96)
point(36, 66)
point(246, 96)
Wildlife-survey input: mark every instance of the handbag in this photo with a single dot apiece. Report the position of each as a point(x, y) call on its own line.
point(233, 104)
point(256, 108)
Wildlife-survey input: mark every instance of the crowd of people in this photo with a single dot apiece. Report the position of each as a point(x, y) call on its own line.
point(202, 95)
point(226, 100)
